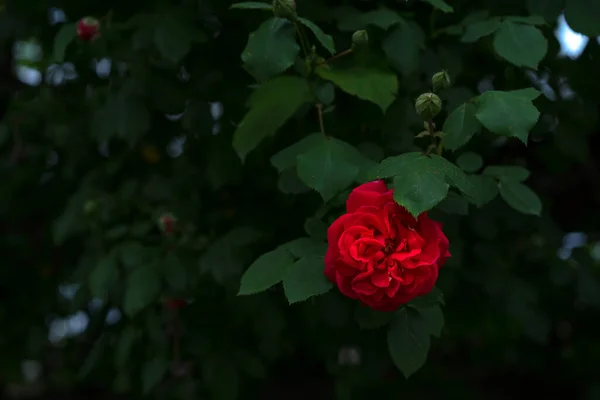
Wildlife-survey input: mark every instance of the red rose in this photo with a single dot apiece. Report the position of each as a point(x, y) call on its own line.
point(380, 254)
point(88, 28)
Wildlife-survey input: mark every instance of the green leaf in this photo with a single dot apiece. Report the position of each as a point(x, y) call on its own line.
point(327, 167)
point(306, 247)
point(528, 93)
point(454, 204)
point(441, 4)
point(367, 318)
point(152, 373)
point(513, 173)
point(520, 197)
point(583, 16)
point(305, 279)
point(173, 37)
point(402, 47)
point(469, 161)
point(104, 276)
point(431, 299)
point(143, 288)
point(454, 176)
point(392, 166)
point(271, 49)
point(521, 45)
point(507, 113)
point(272, 104)
point(251, 5)
point(478, 29)
point(460, 126)
point(65, 35)
point(486, 190)
point(268, 270)
point(530, 19)
point(322, 37)
point(124, 346)
point(123, 116)
point(375, 85)
point(288, 157)
point(409, 338)
point(351, 19)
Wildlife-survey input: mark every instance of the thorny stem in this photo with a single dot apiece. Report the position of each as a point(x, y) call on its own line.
point(431, 129)
point(335, 57)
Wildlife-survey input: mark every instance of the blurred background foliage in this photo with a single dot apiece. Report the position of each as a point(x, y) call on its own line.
point(99, 139)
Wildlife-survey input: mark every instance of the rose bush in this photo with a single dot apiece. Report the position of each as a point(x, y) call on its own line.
point(380, 254)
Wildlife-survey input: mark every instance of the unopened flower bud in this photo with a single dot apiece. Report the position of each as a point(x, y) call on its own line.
point(360, 38)
point(166, 223)
point(285, 9)
point(428, 105)
point(88, 28)
point(90, 207)
point(440, 81)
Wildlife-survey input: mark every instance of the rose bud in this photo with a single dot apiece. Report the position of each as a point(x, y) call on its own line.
point(88, 29)
point(360, 38)
point(428, 105)
point(166, 223)
point(175, 304)
point(381, 255)
point(440, 81)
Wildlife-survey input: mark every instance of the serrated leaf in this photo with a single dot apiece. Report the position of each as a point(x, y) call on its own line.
point(351, 19)
point(306, 247)
point(486, 190)
point(104, 276)
point(454, 204)
point(454, 176)
point(305, 279)
point(175, 272)
point(507, 113)
point(520, 197)
point(271, 49)
point(251, 5)
point(460, 126)
point(521, 45)
point(583, 16)
point(431, 299)
point(328, 167)
point(268, 270)
point(528, 93)
point(367, 318)
point(478, 29)
point(322, 37)
point(375, 85)
point(441, 5)
point(507, 172)
point(65, 35)
point(402, 47)
point(392, 166)
point(288, 157)
point(469, 161)
point(142, 289)
point(409, 339)
point(272, 104)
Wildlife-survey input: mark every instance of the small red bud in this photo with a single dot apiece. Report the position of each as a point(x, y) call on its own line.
point(88, 29)
point(175, 304)
point(166, 222)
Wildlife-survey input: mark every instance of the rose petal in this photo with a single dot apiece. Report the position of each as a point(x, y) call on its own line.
point(367, 194)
